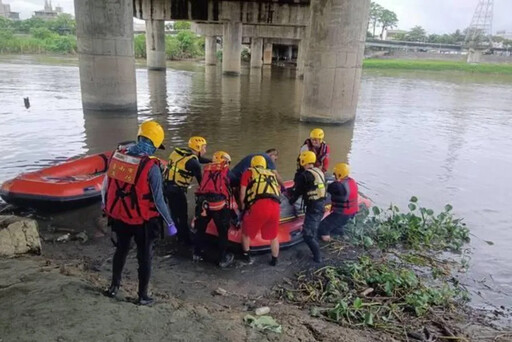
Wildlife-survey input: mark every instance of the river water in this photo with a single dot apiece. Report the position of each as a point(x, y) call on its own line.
point(443, 137)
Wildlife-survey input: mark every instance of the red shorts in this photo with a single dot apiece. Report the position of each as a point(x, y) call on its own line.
point(262, 216)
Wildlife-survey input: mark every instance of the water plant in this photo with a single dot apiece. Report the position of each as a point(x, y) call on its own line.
point(400, 283)
point(419, 228)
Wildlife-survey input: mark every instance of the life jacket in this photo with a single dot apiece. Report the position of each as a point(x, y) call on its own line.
point(263, 184)
point(176, 170)
point(317, 191)
point(348, 204)
point(215, 180)
point(321, 153)
point(128, 197)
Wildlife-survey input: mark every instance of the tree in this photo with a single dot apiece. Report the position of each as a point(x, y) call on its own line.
point(417, 34)
point(458, 37)
point(182, 25)
point(388, 19)
point(63, 24)
point(375, 14)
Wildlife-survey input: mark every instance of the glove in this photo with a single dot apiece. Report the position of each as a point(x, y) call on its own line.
point(171, 229)
point(283, 190)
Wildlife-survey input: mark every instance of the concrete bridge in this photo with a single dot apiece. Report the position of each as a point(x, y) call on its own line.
point(395, 44)
point(330, 35)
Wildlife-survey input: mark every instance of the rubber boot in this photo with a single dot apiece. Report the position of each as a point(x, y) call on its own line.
point(314, 247)
point(111, 291)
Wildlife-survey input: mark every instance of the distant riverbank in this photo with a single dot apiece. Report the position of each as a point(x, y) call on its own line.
point(431, 65)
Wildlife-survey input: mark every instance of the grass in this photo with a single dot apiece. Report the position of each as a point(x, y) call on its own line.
point(432, 65)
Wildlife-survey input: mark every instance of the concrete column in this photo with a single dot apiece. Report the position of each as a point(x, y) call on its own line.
point(474, 56)
point(289, 53)
point(232, 48)
point(267, 54)
point(333, 64)
point(155, 44)
point(210, 47)
point(300, 59)
point(105, 46)
point(256, 52)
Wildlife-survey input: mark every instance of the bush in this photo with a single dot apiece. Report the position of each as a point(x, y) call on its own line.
point(41, 32)
point(172, 48)
point(139, 46)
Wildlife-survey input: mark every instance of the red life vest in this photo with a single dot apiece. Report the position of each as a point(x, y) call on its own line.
point(350, 204)
point(215, 180)
point(321, 153)
point(128, 197)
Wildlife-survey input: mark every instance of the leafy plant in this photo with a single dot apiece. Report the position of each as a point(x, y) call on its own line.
point(417, 229)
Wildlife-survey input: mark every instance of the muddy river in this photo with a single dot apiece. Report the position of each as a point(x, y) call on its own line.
point(443, 137)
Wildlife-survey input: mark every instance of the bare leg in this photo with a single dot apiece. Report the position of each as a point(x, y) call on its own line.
point(246, 243)
point(274, 247)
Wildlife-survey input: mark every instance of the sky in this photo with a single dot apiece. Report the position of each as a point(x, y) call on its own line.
point(436, 16)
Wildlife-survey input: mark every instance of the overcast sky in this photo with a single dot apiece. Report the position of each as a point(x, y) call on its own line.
point(436, 16)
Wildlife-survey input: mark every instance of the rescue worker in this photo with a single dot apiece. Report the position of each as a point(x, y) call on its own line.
point(316, 144)
point(184, 166)
point(344, 195)
point(271, 155)
point(134, 202)
point(213, 201)
point(310, 184)
point(259, 195)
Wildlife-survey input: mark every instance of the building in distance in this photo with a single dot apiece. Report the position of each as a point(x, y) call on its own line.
point(48, 12)
point(5, 11)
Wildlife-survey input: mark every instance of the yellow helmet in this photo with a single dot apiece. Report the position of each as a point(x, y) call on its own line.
point(307, 157)
point(341, 170)
point(153, 131)
point(259, 161)
point(196, 143)
point(317, 133)
point(221, 157)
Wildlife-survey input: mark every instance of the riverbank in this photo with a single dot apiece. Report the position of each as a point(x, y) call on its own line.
point(58, 296)
point(433, 65)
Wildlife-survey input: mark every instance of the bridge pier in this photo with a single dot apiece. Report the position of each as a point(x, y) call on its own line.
point(104, 31)
point(333, 65)
point(155, 44)
point(289, 53)
point(232, 48)
point(256, 52)
point(267, 53)
point(300, 59)
point(210, 46)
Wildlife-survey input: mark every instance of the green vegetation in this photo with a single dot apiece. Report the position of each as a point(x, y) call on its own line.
point(185, 44)
point(399, 284)
point(417, 229)
point(432, 65)
point(38, 36)
point(380, 16)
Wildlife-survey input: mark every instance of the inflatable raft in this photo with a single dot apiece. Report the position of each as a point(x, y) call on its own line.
point(290, 226)
point(70, 184)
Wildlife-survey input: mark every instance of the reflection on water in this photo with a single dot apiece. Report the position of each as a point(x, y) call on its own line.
point(442, 137)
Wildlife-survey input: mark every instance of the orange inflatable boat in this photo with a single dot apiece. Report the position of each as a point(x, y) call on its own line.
point(69, 184)
point(290, 226)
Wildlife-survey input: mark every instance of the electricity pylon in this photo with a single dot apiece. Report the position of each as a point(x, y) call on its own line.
point(480, 31)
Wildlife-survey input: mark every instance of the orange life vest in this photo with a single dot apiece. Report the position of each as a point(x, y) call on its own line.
point(128, 196)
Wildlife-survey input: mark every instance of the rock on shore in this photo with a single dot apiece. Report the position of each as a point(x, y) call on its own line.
point(18, 235)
